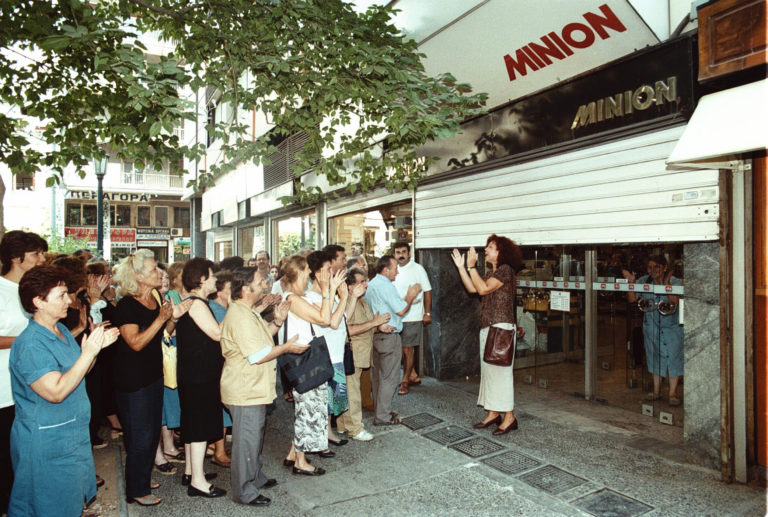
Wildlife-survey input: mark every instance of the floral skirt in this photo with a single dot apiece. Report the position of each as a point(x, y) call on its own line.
point(337, 391)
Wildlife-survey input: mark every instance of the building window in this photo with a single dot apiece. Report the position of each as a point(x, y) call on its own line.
point(132, 175)
point(243, 209)
point(223, 250)
point(120, 215)
point(295, 233)
point(280, 170)
point(161, 216)
point(143, 216)
point(181, 217)
point(24, 182)
point(89, 215)
point(372, 233)
point(73, 215)
point(250, 240)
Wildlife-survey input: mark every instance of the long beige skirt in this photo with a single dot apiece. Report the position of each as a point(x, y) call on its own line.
point(497, 386)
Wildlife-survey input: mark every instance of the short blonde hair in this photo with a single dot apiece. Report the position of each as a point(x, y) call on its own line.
point(126, 269)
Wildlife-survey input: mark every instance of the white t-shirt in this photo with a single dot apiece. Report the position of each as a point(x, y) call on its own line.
point(13, 320)
point(412, 273)
point(335, 338)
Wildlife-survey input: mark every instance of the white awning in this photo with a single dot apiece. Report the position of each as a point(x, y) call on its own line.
point(724, 125)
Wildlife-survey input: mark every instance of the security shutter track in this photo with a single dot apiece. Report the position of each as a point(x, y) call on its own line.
point(615, 192)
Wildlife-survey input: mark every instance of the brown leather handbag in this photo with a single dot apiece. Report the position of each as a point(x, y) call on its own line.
point(500, 346)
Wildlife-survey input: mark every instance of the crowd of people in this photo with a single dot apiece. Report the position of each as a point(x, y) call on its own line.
point(170, 357)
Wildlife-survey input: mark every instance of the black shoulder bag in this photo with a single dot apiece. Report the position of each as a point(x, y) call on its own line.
point(308, 369)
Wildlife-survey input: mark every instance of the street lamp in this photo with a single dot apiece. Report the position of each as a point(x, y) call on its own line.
point(100, 166)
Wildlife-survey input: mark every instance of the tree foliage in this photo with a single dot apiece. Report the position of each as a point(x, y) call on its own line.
point(316, 66)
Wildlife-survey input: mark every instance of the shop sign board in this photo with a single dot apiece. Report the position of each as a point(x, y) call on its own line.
point(134, 197)
point(116, 235)
point(153, 233)
point(152, 244)
point(651, 85)
point(506, 50)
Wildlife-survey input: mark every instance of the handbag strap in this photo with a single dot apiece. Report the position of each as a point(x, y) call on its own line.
point(285, 323)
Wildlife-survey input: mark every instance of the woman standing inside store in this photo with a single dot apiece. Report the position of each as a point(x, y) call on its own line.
point(50, 441)
point(497, 288)
point(199, 372)
point(139, 368)
point(662, 333)
point(311, 408)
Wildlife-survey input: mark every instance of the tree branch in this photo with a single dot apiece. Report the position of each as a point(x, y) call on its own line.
point(159, 10)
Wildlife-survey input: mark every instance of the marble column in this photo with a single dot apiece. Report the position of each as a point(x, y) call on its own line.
point(701, 425)
point(451, 347)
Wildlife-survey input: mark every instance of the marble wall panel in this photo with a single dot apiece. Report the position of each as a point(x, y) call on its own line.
point(701, 424)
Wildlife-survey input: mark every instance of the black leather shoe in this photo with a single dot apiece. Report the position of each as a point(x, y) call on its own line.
point(319, 471)
point(339, 443)
point(288, 463)
point(324, 454)
point(214, 491)
point(186, 480)
point(499, 430)
point(269, 484)
point(481, 425)
point(260, 501)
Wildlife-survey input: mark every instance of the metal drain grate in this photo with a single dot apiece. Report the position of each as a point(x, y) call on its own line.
point(607, 503)
point(420, 421)
point(512, 462)
point(446, 435)
point(552, 479)
point(477, 447)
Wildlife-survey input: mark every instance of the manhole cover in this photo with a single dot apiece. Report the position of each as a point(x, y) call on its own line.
point(552, 479)
point(607, 503)
point(477, 447)
point(512, 462)
point(448, 435)
point(420, 421)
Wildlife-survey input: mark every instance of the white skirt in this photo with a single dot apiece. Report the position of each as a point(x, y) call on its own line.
point(497, 384)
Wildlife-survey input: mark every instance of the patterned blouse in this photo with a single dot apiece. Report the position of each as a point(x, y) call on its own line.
point(499, 306)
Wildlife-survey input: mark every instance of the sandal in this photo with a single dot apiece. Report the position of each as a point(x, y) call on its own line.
point(416, 382)
point(165, 469)
point(176, 458)
point(154, 485)
point(147, 500)
point(404, 389)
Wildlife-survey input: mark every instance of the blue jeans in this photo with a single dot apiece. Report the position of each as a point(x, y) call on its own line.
point(140, 415)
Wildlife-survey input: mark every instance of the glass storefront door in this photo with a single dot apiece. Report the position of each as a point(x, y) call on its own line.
point(295, 233)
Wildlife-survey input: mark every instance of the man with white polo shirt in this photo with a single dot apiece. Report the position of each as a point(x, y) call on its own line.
point(19, 252)
point(420, 313)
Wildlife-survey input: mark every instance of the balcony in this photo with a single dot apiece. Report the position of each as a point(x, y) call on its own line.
point(152, 180)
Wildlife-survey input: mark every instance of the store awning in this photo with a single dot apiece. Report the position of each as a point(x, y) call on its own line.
point(724, 125)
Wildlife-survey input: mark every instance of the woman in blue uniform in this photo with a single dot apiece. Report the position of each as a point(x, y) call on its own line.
point(662, 333)
point(50, 441)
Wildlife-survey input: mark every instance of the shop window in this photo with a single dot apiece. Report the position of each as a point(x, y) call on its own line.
point(295, 233)
point(161, 216)
point(143, 216)
point(372, 233)
point(74, 213)
point(24, 181)
point(223, 250)
point(181, 217)
point(89, 215)
point(120, 215)
point(250, 240)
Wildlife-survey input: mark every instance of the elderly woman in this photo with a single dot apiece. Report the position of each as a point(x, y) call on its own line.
point(662, 333)
point(311, 408)
point(199, 372)
point(138, 371)
point(50, 438)
point(497, 288)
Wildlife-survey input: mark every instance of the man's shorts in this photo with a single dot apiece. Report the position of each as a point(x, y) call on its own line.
point(412, 333)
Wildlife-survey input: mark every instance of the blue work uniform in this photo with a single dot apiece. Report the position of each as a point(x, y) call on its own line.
point(383, 297)
point(50, 442)
point(662, 335)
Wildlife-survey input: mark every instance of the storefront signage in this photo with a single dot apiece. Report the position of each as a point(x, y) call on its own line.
point(152, 244)
point(625, 103)
point(116, 235)
point(111, 196)
point(651, 85)
point(153, 233)
point(573, 36)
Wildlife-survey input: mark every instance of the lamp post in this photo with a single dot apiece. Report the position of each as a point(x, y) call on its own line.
point(100, 166)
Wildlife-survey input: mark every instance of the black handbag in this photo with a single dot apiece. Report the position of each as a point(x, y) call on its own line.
point(308, 369)
point(349, 358)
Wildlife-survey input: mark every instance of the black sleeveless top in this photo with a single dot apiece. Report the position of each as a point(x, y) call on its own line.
point(199, 357)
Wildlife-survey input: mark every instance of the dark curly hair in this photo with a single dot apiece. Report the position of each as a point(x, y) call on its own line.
point(39, 281)
point(509, 252)
point(76, 277)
